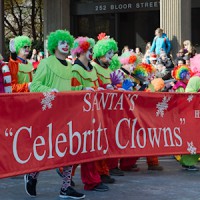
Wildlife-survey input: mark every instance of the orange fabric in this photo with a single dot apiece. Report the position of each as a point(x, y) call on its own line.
point(95, 87)
point(16, 87)
point(75, 82)
point(102, 167)
point(119, 85)
point(152, 161)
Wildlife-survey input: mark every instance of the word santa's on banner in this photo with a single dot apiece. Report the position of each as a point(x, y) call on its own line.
point(197, 114)
point(58, 129)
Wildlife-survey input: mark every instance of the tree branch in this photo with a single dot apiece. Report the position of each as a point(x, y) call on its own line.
point(10, 26)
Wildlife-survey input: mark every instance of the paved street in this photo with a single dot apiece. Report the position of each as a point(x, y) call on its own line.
point(173, 183)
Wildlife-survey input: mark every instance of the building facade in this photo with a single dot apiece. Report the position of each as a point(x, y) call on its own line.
point(130, 22)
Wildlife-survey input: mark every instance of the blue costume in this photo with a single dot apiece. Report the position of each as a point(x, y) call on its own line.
point(161, 44)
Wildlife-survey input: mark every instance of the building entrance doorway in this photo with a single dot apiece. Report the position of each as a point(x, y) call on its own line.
point(134, 29)
point(137, 28)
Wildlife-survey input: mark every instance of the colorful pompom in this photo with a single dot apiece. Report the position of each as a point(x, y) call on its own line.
point(101, 36)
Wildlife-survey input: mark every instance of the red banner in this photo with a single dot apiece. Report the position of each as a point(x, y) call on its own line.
point(40, 131)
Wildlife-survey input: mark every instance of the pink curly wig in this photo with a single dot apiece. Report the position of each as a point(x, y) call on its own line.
point(81, 45)
point(128, 58)
point(195, 65)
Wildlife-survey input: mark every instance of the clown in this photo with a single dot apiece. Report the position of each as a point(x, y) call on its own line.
point(129, 60)
point(144, 74)
point(182, 75)
point(84, 75)
point(194, 82)
point(103, 52)
point(5, 77)
point(53, 75)
point(21, 70)
point(55, 71)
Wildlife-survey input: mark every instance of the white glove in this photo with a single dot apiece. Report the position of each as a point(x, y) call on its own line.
point(54, 90)
point(88, 88)
point(137, 87)
point(121, 89)
point(100, 88)
point(146, 82)
point(29, 85)
point(109, 87)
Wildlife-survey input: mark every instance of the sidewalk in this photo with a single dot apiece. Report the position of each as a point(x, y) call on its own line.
point(173, 183)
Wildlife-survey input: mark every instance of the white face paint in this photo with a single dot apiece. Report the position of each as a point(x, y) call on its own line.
point(24, 51)
point(132, 67)
point(188, 76)
point(109, 56)
point(89, 54)
point(63, 47)
point(148, 78)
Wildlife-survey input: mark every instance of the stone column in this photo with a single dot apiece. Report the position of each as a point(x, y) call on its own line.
point(175, 19)
point(56, 16)
point(2, 35)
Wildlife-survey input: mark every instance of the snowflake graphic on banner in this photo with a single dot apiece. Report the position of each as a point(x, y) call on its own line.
point(190, 98)
point(191, 148)
point(162, 106)
point(46, 101)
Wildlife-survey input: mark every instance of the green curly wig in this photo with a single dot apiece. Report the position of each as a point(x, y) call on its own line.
point(55, 37)
point(21, 41)
point(115, 63)
point(103, 46)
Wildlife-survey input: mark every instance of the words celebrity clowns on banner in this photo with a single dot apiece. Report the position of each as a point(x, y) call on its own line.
point(41, 131)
